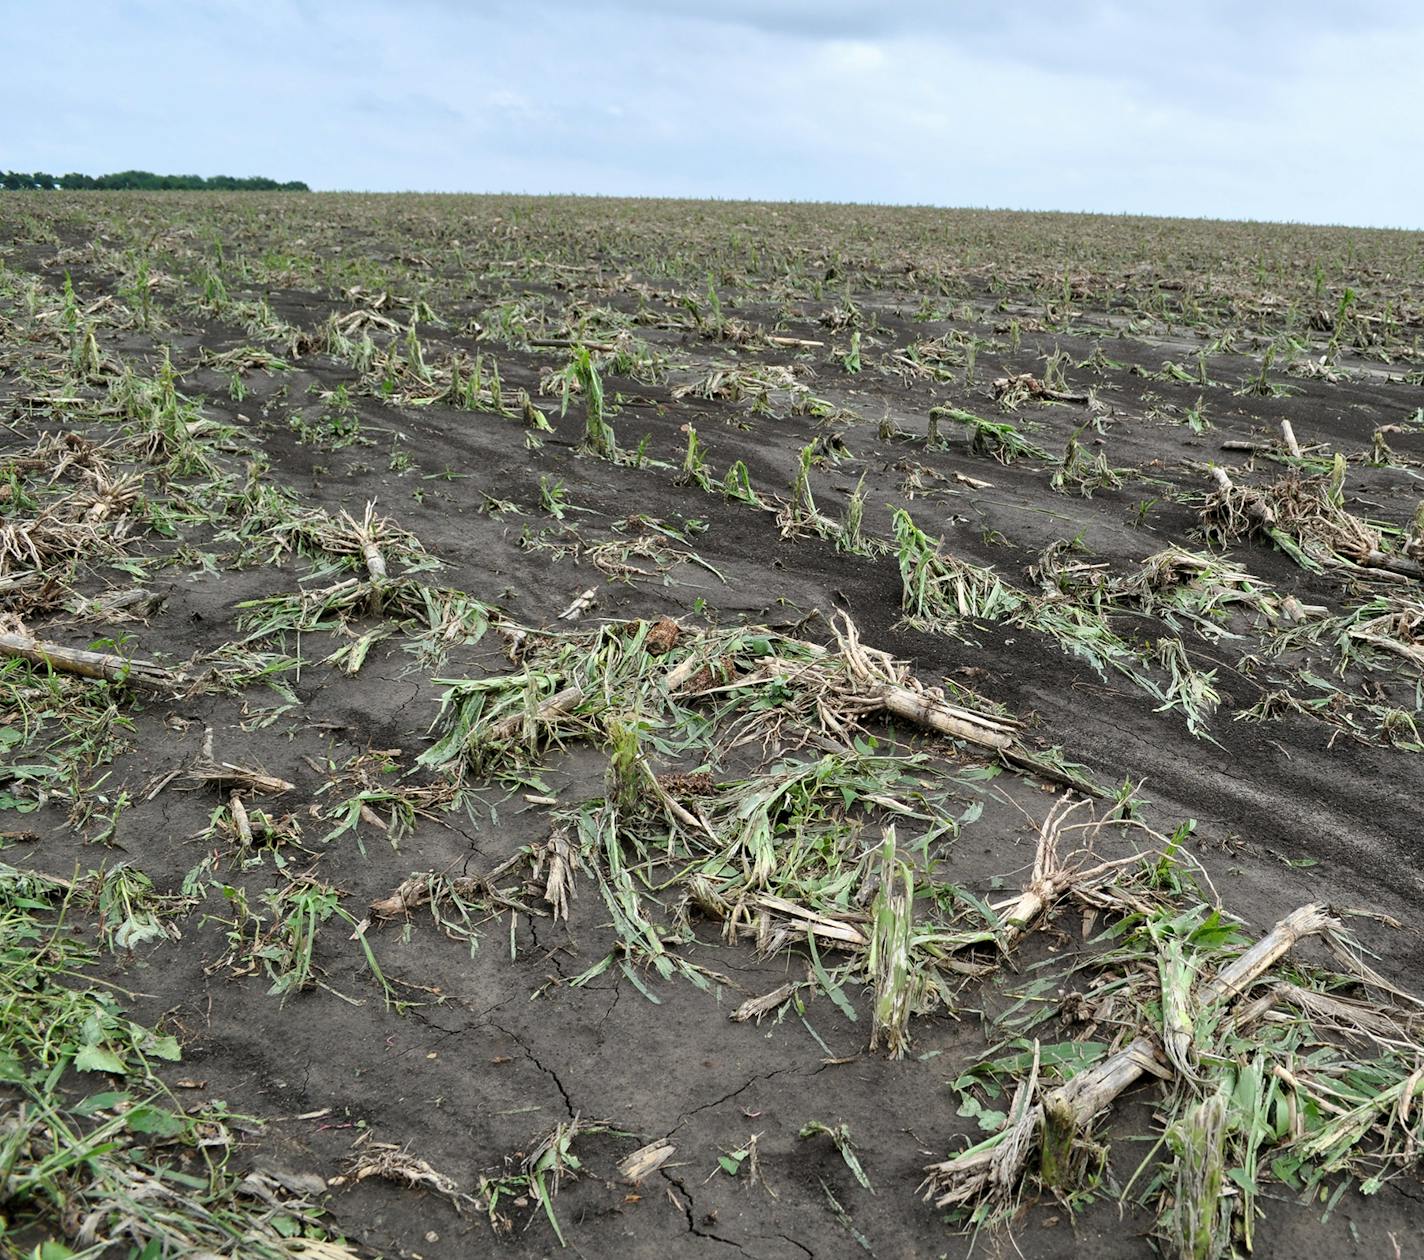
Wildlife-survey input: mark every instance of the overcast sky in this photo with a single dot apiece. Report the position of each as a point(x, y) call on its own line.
point(1311, 110)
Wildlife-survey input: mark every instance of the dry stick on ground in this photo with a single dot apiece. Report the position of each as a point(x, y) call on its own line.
point(883, 684)
point(240, 820)
point(1253, 505)
point(1049, 878)
point(1035, 388)
point(646, 1160)
point(1288, 434)
point(1066, 1110)
point(562, 860)
point(1053, 875)
point(11, 582)
point(756, 1007)
point(565, 343)
point(580, 605)
point(223, 774)
point(371, 554)
point(902, 696)
point(421, 888)
point(104, 665)
point(914, 704)
point(1401, 566)
point(554, 707)
point(389, 1162)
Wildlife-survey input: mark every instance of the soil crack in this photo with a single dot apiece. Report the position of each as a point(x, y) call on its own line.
point(741, 1089)
point(683, 1196)
point(538, 1063)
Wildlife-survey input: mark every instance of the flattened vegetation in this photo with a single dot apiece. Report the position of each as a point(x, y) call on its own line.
point(632, 726)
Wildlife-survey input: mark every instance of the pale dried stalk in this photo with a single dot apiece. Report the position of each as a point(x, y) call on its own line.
point(876, 683)
point(553, 343)
point(1235, 979)
point(365, 535)
point(1248, 503)
point(939, 717)
point(375, 562)
point(1010, 1155)
point(562, 860)
point(756, 1007)
point(1052, 875)
point(878, 671)
point(1175, 982)
point(1351, 1016)
point(1096, 1089)
point(409, 895)
point(12, 582)
point(693, 822)
point(1113, 1075)
point(1410, 651)
point(1066, 1110)
point(103, 665)
point(837, 931)
point(223, 774)
point(1288, 435)
point(391, 1163)
point(580, 605)
point(646, 1160)
point(555, 706)
point(1194, 1223)
point(240, 821)
point(1402, 566)
point(680, 675)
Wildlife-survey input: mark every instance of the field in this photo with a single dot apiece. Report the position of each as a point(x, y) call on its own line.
point(657, 728)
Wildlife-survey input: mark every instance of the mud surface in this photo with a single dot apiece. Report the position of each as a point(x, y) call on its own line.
point(496, 1045)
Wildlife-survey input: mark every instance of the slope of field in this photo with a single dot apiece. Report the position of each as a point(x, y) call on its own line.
point(655, 727)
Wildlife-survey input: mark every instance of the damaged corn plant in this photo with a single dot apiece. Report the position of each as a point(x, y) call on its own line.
point(433, 689)
point(135, 1168)
point(1270, 1064)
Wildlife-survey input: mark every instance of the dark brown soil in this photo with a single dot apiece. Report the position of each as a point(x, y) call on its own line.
point(498, 1046)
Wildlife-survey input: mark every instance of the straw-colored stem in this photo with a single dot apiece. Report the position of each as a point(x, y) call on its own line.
point(240, 820)
point(104, 665)
point(931, 714)
point(1235, 979)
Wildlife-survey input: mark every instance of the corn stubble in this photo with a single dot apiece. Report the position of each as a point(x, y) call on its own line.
point(780, 792)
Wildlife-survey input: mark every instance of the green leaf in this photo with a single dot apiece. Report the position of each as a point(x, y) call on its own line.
point(637, 983)
point(98, 1059)
point(149, 1119)
point(101, 1102)
point(987, 1118)
point(829, 986)
point(163, 1048)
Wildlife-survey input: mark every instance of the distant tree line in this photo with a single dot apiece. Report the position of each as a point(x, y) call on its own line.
point(147, 180)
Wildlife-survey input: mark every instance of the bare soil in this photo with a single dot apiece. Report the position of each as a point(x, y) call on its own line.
point(497, 1046)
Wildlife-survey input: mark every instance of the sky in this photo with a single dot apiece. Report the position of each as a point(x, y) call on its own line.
point(1308, 111)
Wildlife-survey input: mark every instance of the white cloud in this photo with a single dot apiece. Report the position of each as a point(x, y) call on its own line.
point(1303, 111)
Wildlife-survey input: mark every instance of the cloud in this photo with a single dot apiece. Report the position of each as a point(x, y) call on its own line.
point(1215, 108)
point(406, 107)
